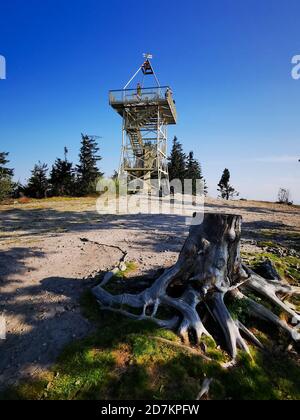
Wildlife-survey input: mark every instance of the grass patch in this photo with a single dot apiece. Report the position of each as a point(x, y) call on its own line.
point(287, 267)
point(290, 238)
point(119, 282)
point(239, 310)
point(123, 360)
point(131, 267)
point(265, 377)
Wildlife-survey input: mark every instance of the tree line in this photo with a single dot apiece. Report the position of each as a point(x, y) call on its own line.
point(184, 166)
point(67, 179)
point(64, 179)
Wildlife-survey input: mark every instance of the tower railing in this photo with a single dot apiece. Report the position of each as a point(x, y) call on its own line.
point(151, 94)
point(120, 99)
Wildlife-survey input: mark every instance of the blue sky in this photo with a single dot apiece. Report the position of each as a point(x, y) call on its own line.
point(227, 61)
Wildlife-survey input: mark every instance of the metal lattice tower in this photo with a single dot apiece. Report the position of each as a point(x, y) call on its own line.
point(146, 113)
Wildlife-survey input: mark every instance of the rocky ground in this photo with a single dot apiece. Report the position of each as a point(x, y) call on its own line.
point(51, 251)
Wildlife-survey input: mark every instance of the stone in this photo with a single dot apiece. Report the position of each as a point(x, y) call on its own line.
point(122, 266)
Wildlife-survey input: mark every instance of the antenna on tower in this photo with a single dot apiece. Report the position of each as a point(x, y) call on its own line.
point(146, 68)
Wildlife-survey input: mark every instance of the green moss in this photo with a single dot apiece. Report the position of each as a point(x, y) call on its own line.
point(286, 237)
point(117, 284)
point(131, 266)
point(239, 310)
point(123, 359)
point(30, 390)
point(146, 349)
point(213, 351)
point(265, 244)
point(295, 300)
point(168, 335)
point(265, 377)
point(286, 266)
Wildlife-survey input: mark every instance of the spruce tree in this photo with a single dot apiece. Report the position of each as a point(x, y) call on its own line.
point(62, 176)
point(6, 174)
point(38, 183)
point(226, 190)
point(177, 161)
point(87, 170)
point(194, 172)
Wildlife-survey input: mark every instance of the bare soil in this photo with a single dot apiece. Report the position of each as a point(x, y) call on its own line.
point(45, 266)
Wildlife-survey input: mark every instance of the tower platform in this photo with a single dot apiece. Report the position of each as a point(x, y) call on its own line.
point(144, 98)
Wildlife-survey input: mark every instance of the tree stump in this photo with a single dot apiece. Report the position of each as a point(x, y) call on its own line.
point(209, 266)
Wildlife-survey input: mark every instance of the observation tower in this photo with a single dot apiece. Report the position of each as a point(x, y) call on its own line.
point(146, 113)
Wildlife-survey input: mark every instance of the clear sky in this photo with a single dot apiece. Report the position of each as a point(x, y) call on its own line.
point(227, 61)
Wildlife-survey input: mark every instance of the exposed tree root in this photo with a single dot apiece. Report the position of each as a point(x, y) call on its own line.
point(209, 266)
point(251, 337)
point(269, 289)
point(229, 327)
point(261, 312)
point(183, 347)
point(205, 388)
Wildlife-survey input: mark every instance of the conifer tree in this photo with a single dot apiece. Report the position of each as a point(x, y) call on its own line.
point(87, 170)
point(62, 176)
point(37, 186)
point(194, 172)
point(177, 161)
point(6, 174)
point(226, 190)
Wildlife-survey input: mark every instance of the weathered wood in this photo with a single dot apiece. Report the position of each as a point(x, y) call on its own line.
point(208, 267)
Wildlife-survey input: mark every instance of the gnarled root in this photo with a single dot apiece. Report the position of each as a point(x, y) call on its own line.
point(229, 327)
point(269, 289)
point(191, 323)
point(209, 266)
point(261, 312)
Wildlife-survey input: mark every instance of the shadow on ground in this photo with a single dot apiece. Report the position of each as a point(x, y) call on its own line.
point(48, 317)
